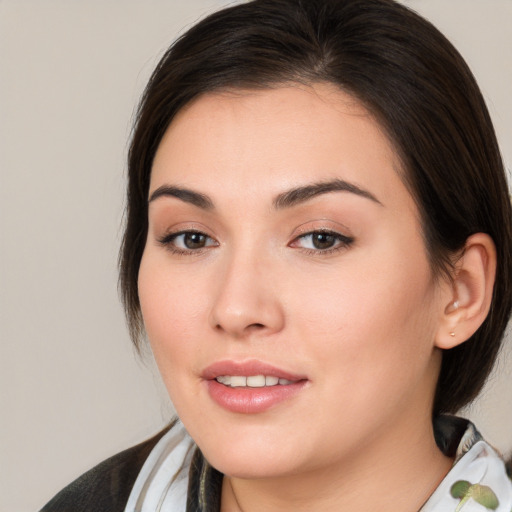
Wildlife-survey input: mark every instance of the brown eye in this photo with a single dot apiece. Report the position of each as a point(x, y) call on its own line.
point(194, 240)
point(322, 240)
point(187, 242)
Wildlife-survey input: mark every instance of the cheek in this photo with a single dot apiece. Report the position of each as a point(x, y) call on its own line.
point(172, 307)
point(373, 312)
point(370, 337)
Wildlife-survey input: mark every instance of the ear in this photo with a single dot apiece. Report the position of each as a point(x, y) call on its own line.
point(467, 299)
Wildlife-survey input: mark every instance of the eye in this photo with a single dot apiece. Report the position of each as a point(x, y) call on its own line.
point(322, 241)
point(187, 241)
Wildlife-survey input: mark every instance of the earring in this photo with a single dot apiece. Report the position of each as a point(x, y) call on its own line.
point(452, 334)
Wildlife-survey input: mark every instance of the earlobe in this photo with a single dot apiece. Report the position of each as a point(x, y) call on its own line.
point(469, 301)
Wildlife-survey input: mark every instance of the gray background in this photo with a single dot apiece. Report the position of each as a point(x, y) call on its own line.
point(72, 390)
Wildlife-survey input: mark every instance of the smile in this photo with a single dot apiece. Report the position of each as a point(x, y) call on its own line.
point(252, 381)
point(251, 386)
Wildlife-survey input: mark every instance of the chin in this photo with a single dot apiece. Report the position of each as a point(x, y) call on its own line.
point(251, 466)
point(254, 457)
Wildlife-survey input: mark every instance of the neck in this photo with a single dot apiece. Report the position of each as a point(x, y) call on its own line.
point(396, 474)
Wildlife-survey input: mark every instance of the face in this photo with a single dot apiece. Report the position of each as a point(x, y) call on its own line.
point(285, 286)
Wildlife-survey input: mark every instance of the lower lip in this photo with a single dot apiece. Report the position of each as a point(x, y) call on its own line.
point(248, 400)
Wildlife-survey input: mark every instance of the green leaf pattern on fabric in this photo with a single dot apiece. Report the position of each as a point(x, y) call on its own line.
point(477, 480)
point(482, 494)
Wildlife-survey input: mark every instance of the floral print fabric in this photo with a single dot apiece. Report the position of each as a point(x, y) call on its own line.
point(477, 481)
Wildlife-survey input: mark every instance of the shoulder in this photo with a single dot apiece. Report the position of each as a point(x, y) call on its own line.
point(105, 487)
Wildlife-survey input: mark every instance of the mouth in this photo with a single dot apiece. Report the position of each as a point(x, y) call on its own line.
point(252, 381)
point(250, 387)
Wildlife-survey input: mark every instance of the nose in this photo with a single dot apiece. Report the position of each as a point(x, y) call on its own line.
point(247, 302)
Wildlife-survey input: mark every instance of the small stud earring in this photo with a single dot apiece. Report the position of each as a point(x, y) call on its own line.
point(452, 334)
point(456, 305)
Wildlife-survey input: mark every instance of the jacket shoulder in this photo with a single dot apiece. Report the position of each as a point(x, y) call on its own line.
point(107, 486)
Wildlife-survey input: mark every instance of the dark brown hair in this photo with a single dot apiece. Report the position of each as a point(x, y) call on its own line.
point(408, 75)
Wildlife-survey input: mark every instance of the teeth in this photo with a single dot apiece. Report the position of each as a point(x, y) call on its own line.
point(256, 381)
point(253, 381)
point(223, 380)
point(238, 382)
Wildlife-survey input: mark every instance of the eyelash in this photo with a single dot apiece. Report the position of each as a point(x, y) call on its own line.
point(341, 241)
point(168, 242)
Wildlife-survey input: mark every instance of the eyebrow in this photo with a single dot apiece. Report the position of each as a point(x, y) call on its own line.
point(286, 199)
point(188, 196)
point(302, 194)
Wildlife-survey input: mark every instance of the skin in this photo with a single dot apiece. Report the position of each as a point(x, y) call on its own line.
point(360, 320)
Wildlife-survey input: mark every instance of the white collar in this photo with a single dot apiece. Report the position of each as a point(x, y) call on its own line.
point(477, 481)
point(163, 480)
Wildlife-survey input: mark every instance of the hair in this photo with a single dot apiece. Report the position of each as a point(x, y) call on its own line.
point(415, 83)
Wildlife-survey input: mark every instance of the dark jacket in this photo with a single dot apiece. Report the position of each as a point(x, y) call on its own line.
point(107, 486)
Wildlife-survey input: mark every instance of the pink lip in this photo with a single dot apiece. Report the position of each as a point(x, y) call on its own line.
point(250, 400)
point(247, 368)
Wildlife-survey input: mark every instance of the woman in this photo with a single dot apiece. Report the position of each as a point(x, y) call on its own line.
point(318, 247)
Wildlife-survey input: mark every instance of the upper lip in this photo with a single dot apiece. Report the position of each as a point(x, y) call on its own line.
point(246, 369)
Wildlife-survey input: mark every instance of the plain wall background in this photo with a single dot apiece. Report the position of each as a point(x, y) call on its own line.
point(72, 390)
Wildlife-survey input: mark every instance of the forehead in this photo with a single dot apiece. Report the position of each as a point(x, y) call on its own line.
point(273, 139)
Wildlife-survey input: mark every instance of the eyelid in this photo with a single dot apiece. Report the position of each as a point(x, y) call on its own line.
point(164, 229)
point(172, 236)
point(343, 240)
point(324, 225)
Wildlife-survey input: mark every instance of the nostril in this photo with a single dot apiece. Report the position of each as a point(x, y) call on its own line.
point(248, 328)
point(256, 326)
